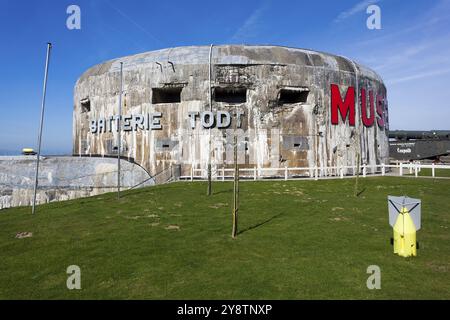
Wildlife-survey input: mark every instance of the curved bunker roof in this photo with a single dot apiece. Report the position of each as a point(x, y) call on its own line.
point(235, 54)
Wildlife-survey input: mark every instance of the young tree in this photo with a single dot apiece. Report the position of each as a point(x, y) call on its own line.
point(235, 192)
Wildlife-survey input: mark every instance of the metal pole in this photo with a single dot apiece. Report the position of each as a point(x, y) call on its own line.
point(210, 109)
point(119, 131)
point(44, 91)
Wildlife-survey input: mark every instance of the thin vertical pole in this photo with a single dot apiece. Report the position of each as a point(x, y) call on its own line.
point(210, 109)
point(235, 191)
point(358, 159)
point(119, 130)
point(358, 132)
point(44, 91)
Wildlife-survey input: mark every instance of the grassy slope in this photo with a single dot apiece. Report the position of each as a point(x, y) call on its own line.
point(299, 239)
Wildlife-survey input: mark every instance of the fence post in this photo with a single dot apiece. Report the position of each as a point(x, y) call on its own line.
point(383, 169)
point(342, 173)
point(364, 171)
point(410, 168)
point(416, 170)
point(223, 174)
point(432, 170)
point(285, 173)
point(254, 173)
point(192, 173)
point(401, 169)
point(316, 173)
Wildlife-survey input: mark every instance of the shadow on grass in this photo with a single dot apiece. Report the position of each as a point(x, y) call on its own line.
point(361, 192)
point(259, 224)
point(224, 191)
point(149, 189)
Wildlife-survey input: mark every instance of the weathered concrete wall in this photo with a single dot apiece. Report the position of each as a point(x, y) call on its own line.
point(277, 135)
point(63, 178)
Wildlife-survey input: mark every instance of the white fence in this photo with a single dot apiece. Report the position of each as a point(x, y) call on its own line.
point(315, 173)
point(415, 168)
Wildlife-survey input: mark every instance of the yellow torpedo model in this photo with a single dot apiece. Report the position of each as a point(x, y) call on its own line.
point(405, 235)
point(404, 217)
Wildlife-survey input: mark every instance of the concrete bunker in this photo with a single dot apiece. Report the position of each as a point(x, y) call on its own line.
point(295, 108)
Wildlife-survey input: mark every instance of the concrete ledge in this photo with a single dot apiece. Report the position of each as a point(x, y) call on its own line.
point(63, 178)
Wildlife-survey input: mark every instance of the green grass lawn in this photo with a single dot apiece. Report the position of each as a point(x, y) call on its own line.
point(298, 240)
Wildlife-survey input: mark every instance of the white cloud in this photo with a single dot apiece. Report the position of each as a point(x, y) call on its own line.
point(416, 76)
point(421, 53)
point(415, 50)
point(413, 58)
point(249, 28)
point(132, 21)
point(360, 6)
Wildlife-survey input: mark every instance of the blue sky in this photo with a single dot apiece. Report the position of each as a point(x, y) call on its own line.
point(411, 51)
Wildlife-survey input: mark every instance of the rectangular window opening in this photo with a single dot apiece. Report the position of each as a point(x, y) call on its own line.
point(85, 105)
point(230, 95)
point(293, 95)
point(166, 95)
